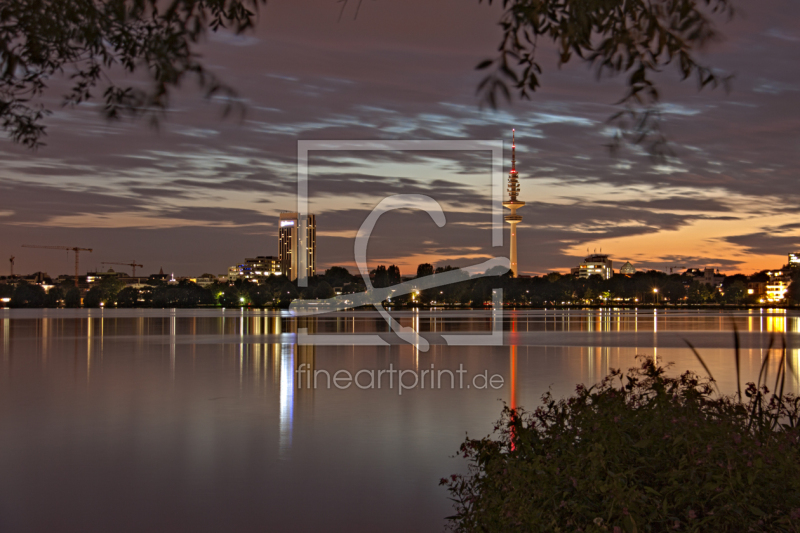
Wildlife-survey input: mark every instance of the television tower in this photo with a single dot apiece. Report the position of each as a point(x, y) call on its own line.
point(513, 204)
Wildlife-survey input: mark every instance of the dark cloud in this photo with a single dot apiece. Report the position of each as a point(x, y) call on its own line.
point(378, 187)
point(34, 202)
point(763, 243)
point(219, 215)
point(701, 205)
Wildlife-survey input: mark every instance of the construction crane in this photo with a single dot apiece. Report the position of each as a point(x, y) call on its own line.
point(132, 264)
point(68, 249)
point(12, 265)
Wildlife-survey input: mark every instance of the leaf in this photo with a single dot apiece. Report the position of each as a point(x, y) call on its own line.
point(630, 524)
point(756, 511)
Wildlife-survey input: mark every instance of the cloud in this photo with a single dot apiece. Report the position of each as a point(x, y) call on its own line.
point(232, 39)
point(764, 243)
point(778, 33)
point(775, 87)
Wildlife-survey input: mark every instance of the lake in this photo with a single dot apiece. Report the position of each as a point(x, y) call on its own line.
point(209, 420)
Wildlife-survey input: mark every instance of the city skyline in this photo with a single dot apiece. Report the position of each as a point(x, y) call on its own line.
point(203, 191)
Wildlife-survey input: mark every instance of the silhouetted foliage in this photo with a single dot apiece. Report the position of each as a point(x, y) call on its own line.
point(639, 452)
point(232, 297)
point(94, 40)
point(324, 290)
point(6, 291)
point(287, 293)
point(26, 295)
point(338, 276)
point(380, 277)
point(425, 269)
point(104, 292)
point(72, 297)
point(128, 297)
point(261, 295)
point(184, 294)
point(793, 294)
point(54, 297)
point(393, 275)
point(550, 290)
point(613, 37)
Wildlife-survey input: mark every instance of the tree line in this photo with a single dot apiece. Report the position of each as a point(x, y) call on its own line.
point(553, 289)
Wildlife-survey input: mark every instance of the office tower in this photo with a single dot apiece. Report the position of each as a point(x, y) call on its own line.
point(596, 265)
point(289, 233)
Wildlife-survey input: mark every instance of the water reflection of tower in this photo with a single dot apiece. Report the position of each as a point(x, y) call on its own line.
point(793, 350)
point(512, 400)
point(296, 396)
point(513, 204)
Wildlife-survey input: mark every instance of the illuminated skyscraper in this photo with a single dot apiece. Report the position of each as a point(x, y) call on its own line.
point(513, 204)
point(289, 244)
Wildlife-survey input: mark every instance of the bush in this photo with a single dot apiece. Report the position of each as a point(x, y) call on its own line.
point(54, 297)
point(28, 296)
point(128, 297)
point(72, 298)
point(650, 453)
point(324, 290)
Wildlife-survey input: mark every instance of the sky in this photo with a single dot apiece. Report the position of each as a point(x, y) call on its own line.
point(203, 191)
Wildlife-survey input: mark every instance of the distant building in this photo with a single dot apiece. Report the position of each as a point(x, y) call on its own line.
point(160, 276)
point(706, 276)
point(96, 277)
point(255, 268)
point(776, 291)
point(205, 281)
point(289, 234)
point(794, 260)
point(627, 269)
point(777, 286)
point(595, 264)
point(757, 288)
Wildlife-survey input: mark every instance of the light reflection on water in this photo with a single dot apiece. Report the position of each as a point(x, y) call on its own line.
point(167, 420)
point(287, 397)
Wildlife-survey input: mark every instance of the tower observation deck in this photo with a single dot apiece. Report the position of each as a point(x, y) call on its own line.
point(513, 204)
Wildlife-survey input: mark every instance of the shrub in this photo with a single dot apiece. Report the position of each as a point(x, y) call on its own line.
point(638, 452)
point(72, 298)
point(26, 295)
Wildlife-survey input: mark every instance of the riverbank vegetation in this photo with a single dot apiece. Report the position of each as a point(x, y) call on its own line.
point(639, 452)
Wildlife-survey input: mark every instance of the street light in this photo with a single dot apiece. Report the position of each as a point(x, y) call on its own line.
point(655, 296)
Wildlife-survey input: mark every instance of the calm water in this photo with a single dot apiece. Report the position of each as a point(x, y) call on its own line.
point(200, 421)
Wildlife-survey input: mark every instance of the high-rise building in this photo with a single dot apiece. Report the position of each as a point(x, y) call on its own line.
point(512, 205)
point(794, 260)
point(289, 232)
